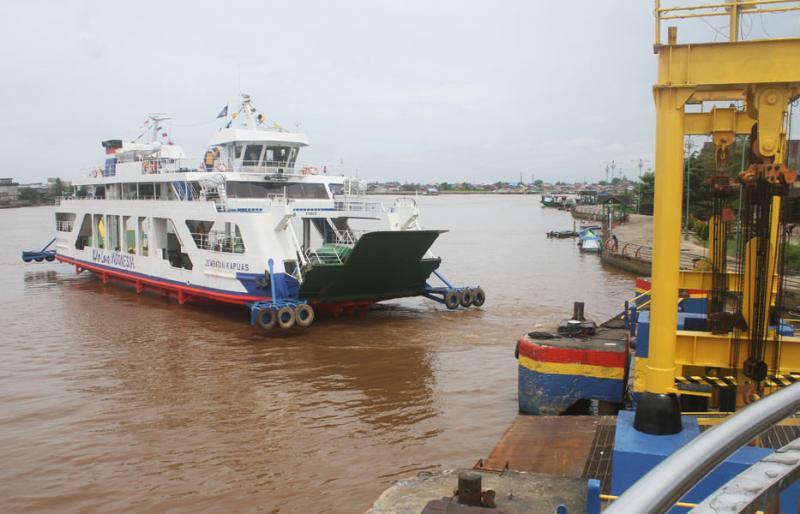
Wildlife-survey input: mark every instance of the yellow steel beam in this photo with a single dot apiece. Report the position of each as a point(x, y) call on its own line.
point(719, 66)
point(701, 281)
point(726, 119)
point(727, 94)
point(706, 349)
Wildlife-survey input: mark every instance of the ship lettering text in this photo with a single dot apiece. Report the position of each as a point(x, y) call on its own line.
point(237, 266)
point(113, 259)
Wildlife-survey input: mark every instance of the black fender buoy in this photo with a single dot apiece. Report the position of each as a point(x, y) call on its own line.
point(286, 317)
point(50, 258)
point(39, 259)
point(266, 318)
point(452, 299)
point(467, 297)
point(304, 315)
point(478, 297)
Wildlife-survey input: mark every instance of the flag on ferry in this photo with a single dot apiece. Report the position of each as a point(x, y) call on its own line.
point(223, 112)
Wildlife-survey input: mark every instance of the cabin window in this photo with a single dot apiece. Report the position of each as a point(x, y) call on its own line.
point(100, 230)
point(238, 150)
point(199, 229)
point(144, 230)
point(129, 227)
point(173, 251)
point(252, 155)
point(84, 238)
point(113, 233)
point(65, 221)
point(298, 190)
point(205, 237)
point(147, 191)
point(238, 242)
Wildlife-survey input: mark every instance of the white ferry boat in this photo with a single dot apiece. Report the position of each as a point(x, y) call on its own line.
point(249, 226)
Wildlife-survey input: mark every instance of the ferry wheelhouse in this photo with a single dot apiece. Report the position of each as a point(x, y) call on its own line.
point(249, 226)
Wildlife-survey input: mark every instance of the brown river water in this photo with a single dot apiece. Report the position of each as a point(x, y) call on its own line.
point(115, 402)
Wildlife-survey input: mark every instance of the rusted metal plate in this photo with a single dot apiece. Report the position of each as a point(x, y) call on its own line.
point(551, 445)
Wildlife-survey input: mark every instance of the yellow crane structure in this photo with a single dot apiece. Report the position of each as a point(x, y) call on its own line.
point(757, 79)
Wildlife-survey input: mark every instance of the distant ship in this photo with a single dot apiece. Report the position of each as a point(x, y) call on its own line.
point(250, 227)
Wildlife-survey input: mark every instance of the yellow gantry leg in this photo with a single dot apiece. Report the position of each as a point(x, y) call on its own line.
point(666, 239)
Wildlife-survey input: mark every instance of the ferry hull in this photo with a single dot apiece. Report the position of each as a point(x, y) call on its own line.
point(181, 291)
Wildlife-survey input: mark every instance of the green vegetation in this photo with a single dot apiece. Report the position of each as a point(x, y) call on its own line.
point(701, 167)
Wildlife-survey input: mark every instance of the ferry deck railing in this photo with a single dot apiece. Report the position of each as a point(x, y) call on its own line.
point(367, 206)
point(64, 226)
point(669, 481)
point(218, 242)
point(688, 260)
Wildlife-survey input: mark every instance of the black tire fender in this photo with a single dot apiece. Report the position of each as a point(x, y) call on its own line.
point(304, 315)
point(452, 299)
point(286, 317)
point(467, 297)
point(478, 297)
point(266, 318)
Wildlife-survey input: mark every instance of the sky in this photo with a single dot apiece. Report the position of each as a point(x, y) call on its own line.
point(415, 91)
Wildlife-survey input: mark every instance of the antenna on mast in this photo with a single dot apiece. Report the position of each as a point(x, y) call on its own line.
point(156, 118)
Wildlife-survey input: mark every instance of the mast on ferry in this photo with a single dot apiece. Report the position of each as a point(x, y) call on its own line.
point(155, 119)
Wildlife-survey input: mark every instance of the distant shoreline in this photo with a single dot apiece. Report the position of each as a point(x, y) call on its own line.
point(17, 205)
point(441, 193)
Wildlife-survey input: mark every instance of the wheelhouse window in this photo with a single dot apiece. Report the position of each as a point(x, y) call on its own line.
point(266, 189)
point(252, 155)
point(280, 156)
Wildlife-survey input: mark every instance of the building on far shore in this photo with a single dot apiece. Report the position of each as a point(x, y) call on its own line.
point(9, 190)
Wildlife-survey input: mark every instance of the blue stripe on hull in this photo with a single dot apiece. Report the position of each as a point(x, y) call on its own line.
point(247, 282)
point(551, 394)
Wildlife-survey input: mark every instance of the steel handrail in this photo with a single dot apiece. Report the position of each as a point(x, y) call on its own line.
point(666, 483)
point(734, 8)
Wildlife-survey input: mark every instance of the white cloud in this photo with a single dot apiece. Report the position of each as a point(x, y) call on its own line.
point(407, 90)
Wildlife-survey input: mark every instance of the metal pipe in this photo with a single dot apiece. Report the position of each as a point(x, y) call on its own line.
point(666, 483)
point(439, 275)
point(270, 263)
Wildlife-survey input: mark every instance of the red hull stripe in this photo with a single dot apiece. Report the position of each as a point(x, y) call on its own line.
point(540, 353)
point(189, 291)
point(643, 284)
